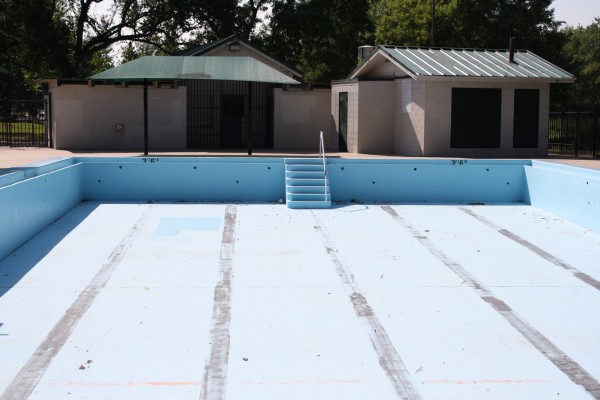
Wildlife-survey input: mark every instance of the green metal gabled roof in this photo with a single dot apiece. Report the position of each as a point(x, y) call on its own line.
point(168, 68)
point(479, 63)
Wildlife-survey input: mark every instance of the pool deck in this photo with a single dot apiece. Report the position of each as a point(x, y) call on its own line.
point(18, 157)
point(257, 301)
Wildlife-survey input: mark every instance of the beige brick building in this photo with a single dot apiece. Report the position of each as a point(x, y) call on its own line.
point(445, 102)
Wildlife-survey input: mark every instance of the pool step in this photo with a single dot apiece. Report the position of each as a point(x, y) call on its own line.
point(306, 185)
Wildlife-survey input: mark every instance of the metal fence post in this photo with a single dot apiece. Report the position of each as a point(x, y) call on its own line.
point(595, 133)
point(10, 125)
point(562, 122)
point(576, 130)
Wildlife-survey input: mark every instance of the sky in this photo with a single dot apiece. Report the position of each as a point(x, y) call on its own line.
point(576, 12)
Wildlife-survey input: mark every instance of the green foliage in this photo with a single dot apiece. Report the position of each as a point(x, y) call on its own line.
point(467, 23)
point(69, 38)
point(211, 20)
point(408, 22)
point(32, 39)
point(582, 51)
point(320, 37)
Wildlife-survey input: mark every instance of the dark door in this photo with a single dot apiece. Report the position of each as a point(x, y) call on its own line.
point(343, 122)
point(527, 118)
point(476, 115)
point(232, 121)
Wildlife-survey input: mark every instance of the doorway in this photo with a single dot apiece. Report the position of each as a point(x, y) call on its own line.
point(343, 122)
point(233, 112)
point(526, 118)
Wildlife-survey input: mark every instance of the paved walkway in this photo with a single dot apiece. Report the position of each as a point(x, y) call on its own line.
point(16, 157)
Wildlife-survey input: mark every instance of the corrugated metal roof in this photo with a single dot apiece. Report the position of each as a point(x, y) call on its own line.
point(419, 61)
point(161, 68)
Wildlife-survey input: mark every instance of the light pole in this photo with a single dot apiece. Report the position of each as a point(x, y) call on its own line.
point(432, 22)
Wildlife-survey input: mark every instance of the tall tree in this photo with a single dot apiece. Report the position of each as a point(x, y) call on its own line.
point(211, 20)
point(320, 37)
point(408, 22)
point(69, 38)
point(141, 21)
point(582, 51)
point(468, 23)
point(32, 39)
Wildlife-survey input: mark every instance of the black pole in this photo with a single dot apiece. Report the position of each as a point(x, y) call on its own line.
point(145, 117)
point(249, 119)
point(49, 121)
point(576, 130)
point(432, 22)
point(562, 125)
point(596, 109)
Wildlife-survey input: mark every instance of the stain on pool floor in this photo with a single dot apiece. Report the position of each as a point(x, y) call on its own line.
point(258, 301)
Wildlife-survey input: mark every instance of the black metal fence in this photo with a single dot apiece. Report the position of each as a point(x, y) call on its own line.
point(23, 123)
point(574, 131)
point(229, 114)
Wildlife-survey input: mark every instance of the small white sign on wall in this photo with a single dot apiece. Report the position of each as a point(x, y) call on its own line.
point(406, 97)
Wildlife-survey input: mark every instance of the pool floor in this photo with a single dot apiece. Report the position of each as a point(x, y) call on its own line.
point(258, 301)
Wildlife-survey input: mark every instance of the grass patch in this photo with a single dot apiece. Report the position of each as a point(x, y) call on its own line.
point(21, 127)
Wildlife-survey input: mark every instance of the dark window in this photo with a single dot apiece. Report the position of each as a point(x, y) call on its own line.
point(343, 122)
point(526, 118)
point(476, 115)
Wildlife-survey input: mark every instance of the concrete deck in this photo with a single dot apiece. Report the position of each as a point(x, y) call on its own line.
point(257, 301)
point(17, 157)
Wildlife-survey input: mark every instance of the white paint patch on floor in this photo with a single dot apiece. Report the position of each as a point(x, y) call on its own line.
point(307, 294)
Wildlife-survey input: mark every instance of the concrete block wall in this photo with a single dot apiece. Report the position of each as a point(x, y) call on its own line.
point(439, 111)
point(84, 117)
point(299, 116)
point(409, 121)
point(376, 117)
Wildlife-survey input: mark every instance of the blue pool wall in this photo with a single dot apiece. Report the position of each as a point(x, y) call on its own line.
point(427, 181)
point(32, 197)
point(205, 179)
point(570, 192)
point(29, 205)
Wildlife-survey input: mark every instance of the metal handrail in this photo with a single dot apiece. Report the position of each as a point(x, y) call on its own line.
point(322, 155)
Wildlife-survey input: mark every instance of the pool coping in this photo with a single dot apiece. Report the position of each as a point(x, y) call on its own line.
point(11, 158)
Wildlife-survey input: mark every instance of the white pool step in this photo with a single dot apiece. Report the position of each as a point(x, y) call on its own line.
point(306, 185)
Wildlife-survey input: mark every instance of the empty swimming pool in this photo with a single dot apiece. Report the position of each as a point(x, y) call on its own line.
point(122, 298)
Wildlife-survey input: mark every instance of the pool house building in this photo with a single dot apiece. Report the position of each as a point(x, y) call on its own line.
point(445, 102)
point(229, 94)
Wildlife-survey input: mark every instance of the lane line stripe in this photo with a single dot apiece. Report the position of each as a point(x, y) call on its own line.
point(34, 369)
point(389, 359)
point(575, 372)
point(215, 369)
point(582, 276)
